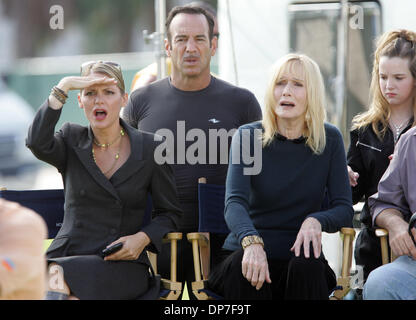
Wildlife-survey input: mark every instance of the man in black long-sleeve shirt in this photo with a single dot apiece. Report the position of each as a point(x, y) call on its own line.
point(190, 109)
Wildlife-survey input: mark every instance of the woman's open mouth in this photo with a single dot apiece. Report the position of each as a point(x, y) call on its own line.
point(287, 104)
point(100, 114)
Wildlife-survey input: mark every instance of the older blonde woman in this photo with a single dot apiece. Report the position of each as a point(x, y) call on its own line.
point(108, 168)
point(276, 217)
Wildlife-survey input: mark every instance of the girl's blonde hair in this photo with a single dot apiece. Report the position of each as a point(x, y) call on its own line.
point(398, 43)
point(315, 98)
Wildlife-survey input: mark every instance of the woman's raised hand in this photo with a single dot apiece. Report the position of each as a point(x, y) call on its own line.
point(77, 83)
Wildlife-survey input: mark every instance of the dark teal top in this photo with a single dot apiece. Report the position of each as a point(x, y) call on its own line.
point(290, 187)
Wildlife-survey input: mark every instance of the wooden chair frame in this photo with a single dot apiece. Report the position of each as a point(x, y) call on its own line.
point(201, 256)
point(171, 284)
point(200, 244)
point(343, 281)
point(383, 235)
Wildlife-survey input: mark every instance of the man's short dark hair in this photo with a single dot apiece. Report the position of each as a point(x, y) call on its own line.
point(204, 5)
point(190, 10)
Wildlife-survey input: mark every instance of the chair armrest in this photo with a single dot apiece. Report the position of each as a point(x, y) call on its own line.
point(381, 233)
point(348, 231)
point(201, 237)
point(172, 236)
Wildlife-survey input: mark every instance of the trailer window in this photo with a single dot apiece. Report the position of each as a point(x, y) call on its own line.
point(315, 30)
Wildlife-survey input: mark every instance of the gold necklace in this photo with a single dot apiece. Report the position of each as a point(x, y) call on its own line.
point(117, 156)
point(106, 145)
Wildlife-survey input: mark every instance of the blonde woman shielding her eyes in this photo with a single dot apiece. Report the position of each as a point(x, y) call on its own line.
point(108, 169)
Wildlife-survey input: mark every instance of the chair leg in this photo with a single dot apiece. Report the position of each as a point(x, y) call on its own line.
point(205, 255)
point(197, 264)
point(383, 234)
point(153, 260)
point(343, 282)
point(173, 260)
point(384, 250)
point(172, 285)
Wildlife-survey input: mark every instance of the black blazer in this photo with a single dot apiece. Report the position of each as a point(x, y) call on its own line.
point(368, 155)
point(100, 210)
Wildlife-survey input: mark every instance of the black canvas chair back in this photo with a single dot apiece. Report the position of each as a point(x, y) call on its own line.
point(47, 203)
point(211, 208)
point(50, 205)
point(211, 221)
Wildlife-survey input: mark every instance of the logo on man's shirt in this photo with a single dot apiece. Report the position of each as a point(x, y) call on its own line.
point(213, 120)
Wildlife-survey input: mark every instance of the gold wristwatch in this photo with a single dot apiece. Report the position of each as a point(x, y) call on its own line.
point(248, 240)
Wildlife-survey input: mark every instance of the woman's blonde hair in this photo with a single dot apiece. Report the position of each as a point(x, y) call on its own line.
point(315, 100)
point(398, 43)
point(109, 68)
